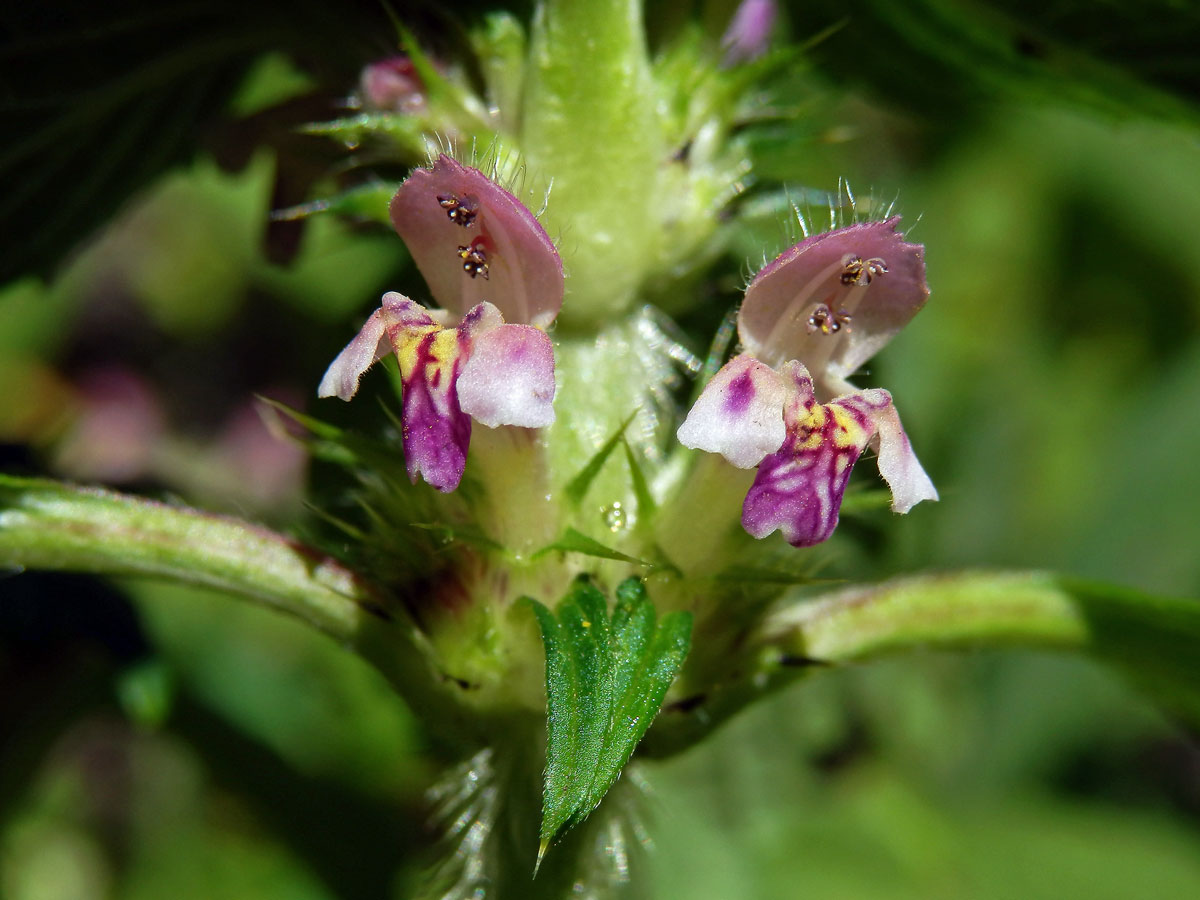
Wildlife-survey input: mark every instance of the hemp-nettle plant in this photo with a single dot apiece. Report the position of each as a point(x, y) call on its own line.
point(574, 535)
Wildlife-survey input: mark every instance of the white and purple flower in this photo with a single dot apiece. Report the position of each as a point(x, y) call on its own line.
point(485, 354)
point(809, 320)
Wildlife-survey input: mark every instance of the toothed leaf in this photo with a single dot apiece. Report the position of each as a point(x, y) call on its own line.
point(605, 681)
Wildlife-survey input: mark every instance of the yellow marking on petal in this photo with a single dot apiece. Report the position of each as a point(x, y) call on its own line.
point(408, 345)
point(814, 424)
point(839, 465)
point(445, 347)
point(847, 432)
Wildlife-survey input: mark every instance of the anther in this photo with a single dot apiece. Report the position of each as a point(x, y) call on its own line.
point(826, 321)
point(856, 271)
point(474, 257)
point(462, 211)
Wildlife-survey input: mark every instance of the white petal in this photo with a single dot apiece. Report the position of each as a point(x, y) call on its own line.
point(898, 464)
point(739, 414)
point(509, 378)
point(370, 345)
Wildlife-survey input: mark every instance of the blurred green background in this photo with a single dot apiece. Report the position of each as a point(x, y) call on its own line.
point(162, 742)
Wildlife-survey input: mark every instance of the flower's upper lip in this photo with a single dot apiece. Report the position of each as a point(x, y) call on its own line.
point(525, 274)
point(892, 300)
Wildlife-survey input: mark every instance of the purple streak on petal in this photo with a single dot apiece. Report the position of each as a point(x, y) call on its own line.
point(808, 274)
point(739, 393)
point(373, 341)
point(798, 490)
point(436, 430)
point(749, 31)
point(524, 272)
point(509, 379)
point(739, 414)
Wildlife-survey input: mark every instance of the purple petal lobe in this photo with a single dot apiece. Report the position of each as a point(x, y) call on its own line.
point(509, 379)
point(474, 241)
point(799, 489)
point(436, 430)
point(739, 414)
point(833, 300)
point(370, 345)
point(749, 32)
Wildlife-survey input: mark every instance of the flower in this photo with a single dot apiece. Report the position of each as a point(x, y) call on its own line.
point(809, 320)
point(485, 354)
point(749, 32)
point(393, 85)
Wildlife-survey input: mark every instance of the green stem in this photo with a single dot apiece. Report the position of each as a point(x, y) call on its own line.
point(957, 610)
point(694, 526)
point(1155, 639)
point(48, 525)
point(590, 123)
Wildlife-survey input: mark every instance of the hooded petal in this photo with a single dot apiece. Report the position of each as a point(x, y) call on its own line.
point(739, 414)
point(834, 299)
point(474, 241)
point(798, 490)
point(370, 345)
point(509, 378)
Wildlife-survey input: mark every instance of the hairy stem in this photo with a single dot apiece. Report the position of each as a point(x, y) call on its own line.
point(1154, 639)
point(48, 525)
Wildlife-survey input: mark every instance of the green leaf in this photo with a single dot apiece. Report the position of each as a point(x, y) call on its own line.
point(500, 46)
point(446, 98)
point(1137, 58)
point(366, 201)
point(48, 525)
point(641, 488)
point(112, 95)
point(53, 526)
point(403, 131)
point(574, 541)
point(605, 681)
point(335, 445)
point(577, 487)
point(459, 534)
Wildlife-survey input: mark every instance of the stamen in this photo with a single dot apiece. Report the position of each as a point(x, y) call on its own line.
point(852, 272)
point(855, 271)
point(791, 316)
point(462, 211)
point(474, 257)
point(826, 321)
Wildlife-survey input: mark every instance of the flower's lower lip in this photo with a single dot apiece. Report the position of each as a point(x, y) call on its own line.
point(804, 465)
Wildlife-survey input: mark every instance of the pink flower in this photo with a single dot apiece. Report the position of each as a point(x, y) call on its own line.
point(749, 32)
point(485, 354)
point(809, 320)
point(393, 85)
